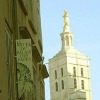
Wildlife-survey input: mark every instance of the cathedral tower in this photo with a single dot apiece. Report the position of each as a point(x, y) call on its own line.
point(69, 70)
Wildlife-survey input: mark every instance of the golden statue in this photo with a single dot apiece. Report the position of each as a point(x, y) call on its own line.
point(65, 16)
point(66, 21)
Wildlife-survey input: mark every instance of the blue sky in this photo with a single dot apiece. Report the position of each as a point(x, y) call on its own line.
point(84, 18)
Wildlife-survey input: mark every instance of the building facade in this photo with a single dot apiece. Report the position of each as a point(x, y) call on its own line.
point(20, 21)
point(69, 70)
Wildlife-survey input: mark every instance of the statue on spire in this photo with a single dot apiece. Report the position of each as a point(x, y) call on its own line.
point(66, 21)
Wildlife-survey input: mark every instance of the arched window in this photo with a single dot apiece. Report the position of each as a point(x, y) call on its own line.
point(71, 40)
point(67, 41)
point(75, 83)
point(82, 72)
point(55, 74)
point(62, 82)
point(56, 86)
point(61, 71)
point(74, 71)
point(82, 84)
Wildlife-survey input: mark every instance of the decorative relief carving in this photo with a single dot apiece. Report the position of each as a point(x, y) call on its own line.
point(24, 79)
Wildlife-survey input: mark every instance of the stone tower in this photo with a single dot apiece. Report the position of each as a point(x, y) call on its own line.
point(69, 70)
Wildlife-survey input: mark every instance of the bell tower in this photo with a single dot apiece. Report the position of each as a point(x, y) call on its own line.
point(66, 35)
point(69, 70)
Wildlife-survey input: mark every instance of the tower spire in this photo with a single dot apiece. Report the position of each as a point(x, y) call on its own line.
point(66, 35)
